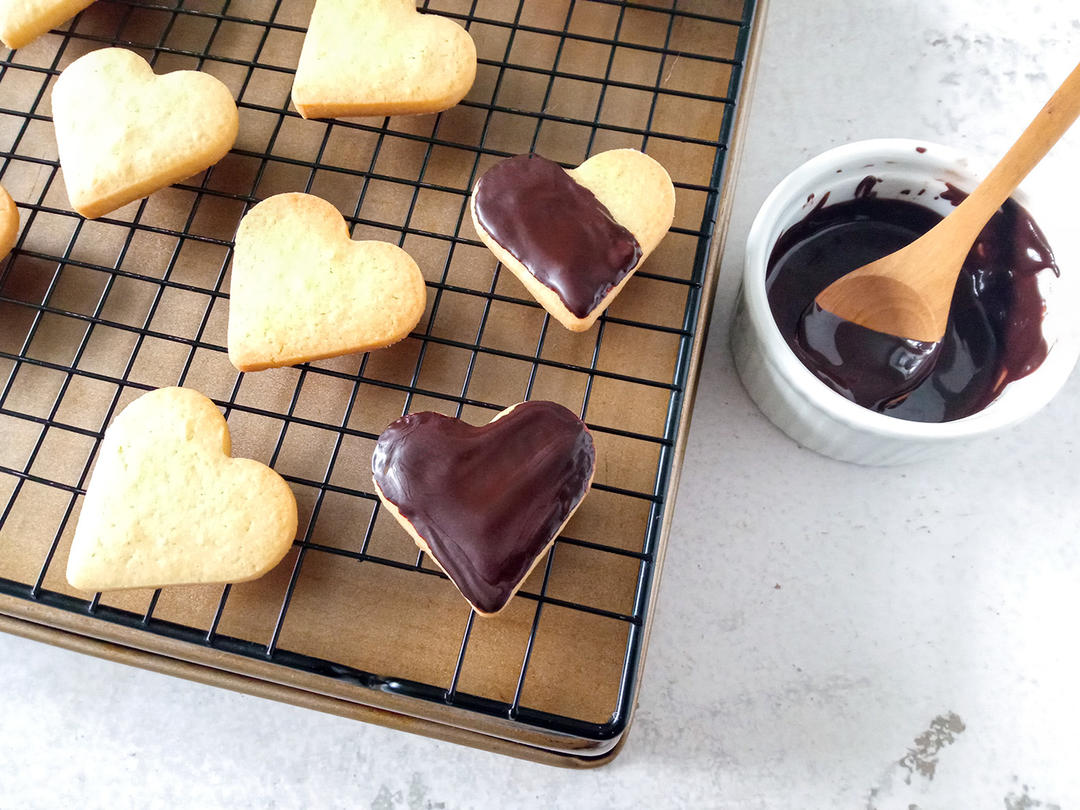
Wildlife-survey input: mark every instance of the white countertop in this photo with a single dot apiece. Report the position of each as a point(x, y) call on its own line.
point(826, 635)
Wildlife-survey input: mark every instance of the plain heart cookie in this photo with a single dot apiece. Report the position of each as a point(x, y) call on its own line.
point(23, 21)
point(9, 223)
point(123, 132)
point(485, 503)
point(303, 290)
point(574, 238)
point(167, 505)
point(381, 57)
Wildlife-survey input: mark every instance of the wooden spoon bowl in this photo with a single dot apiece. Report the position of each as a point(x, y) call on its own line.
point(908, 293)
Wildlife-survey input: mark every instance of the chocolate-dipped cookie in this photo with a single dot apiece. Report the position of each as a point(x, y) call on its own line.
point(485, 502)
point(575, 237)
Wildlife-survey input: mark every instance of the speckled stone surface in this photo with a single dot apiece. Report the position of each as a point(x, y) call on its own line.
point(826, 635)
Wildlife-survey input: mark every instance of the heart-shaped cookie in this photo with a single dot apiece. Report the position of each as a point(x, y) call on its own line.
point(168, 506)
point(23, 21)
point(9, 223)
point(485, 502)
point(381, 57)
point(123, 132)
point(303, 290)
point(574, 237)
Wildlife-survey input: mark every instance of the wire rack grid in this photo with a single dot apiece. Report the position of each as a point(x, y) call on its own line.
point(94, 313)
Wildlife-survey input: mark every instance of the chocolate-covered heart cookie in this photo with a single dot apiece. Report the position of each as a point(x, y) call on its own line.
point(574, 238)
point(485, 502)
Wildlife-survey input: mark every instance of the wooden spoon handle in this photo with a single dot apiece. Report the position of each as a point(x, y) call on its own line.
point(1042, 133)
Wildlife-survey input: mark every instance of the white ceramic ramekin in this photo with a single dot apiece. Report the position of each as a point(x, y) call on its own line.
point(809, 411)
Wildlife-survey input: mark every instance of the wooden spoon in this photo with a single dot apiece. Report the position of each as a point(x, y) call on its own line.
point(908, 293)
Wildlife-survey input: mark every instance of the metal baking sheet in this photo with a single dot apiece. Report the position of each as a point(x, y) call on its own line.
point(94, 313)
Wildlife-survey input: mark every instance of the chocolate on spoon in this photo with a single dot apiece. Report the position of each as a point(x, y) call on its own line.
point(871, 368)
point(995, 332)
point(905, 296)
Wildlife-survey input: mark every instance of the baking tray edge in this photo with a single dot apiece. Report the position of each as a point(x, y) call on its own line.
point(302, 698)
point(723, 216)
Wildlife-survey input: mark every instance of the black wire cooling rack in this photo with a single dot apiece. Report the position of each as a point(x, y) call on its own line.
point(94, 313)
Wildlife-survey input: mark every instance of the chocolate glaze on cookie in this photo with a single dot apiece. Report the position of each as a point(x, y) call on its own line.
point(487, 500)
point(557, 229)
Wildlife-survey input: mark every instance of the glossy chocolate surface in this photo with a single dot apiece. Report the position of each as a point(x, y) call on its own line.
point(874, 369)
point(994, 334)
point(487, 500)
point(557, 229)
